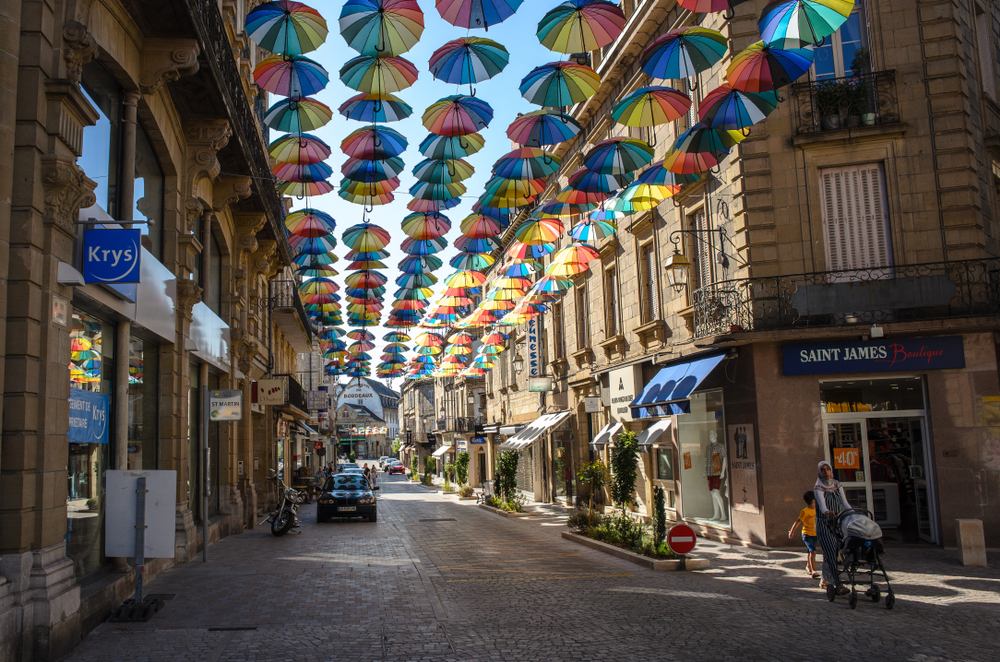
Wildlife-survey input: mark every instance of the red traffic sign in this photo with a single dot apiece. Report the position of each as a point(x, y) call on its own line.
point(681, 539)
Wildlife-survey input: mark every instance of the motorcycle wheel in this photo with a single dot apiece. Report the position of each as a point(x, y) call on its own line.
point(282, 523)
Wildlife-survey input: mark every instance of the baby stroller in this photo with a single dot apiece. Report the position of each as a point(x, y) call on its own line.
point(860, 558)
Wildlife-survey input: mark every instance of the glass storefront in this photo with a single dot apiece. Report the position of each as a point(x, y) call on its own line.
point(665, 470)
point(703, 464)
point(143, 404)
point(149, 193)
point(526, 470)
point(563, 469)
point(91, 374)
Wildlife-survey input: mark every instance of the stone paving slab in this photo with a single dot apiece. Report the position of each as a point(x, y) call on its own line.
point(438, 579)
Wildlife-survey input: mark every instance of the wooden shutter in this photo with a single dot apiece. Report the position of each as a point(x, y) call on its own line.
point(702, 243)
point(855, 218)
point(651, 284)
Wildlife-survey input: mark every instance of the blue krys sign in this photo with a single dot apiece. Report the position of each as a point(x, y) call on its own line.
point(875, 355)
point(88, 417)
point(111, 256)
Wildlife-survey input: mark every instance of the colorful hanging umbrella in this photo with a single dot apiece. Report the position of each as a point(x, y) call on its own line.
point(651, 106)
point(426, 206)
point(443, 171)
point(476, 13)
point(458, 115)
point(366, 199)
point(417, 265)
point(591, 231)
point(472, 261)
point(425, 226)
point(466, 279)
point(700, 149)
point(480, 227)
point(366, 237)
point(305, 189)
point(381, 27)
point(560, 84)
point(526, 163)
point(396, 337)
point(451, 147)
point(543, 127)
point(312, 245)
point(290, 76)
point(416, 280)
point(468, 60)
point(309, 223)
point(538, 231)
point(580, 198)
point(316, 271)
point(372, 108)
point(520, 251)
point(378, 74)
point(761, 68)
point(683, 53)
point(364, 189)
point(657, 181)
point(709, 6)
point(288, 28)
point(472, 245)
point(561, 208)
point(302, 148)
point(301, 172)
point(576, 26)
point(297, 115)
point(798, 23)
point(437, 192)
point(588, 181)
point(423, 246)
point(511, 193)
point(372, 170)
point(726, 108)
point(618, 156)
point(374, 142)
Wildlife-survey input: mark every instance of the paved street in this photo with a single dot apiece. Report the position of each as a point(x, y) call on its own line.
point(436, 579)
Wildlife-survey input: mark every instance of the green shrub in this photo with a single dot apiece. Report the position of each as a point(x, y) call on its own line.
point(449, 472)
point(466, 491)
point(624, 469)
point(430, 465)
point(414, 468)
point(583, 520)
point(514, 505)
point(396, 445)
point(462, 467)
point(595, 476)
point(427, 479)
point(506, 481)
point(659, 515)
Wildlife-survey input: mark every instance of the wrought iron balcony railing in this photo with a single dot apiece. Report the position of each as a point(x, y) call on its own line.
point(933, 291)
point(296, 394)
point(833, 104)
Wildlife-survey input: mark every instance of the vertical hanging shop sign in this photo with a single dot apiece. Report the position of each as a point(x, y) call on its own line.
point(534, 363)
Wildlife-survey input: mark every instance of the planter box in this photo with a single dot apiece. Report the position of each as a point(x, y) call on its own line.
point(691, 563)
point(502, 513)
point(462, 498)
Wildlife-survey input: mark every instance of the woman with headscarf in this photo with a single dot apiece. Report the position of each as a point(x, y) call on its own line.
point(830, 502)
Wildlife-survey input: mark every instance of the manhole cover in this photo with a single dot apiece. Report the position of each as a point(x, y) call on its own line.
point(442, 519)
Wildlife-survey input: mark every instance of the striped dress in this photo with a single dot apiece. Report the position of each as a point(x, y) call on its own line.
point(829, 502)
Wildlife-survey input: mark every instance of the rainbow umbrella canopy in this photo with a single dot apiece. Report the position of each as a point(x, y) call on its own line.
point(375, 108)
point(457, 115)
point(443, 171)
point(576, 26)
point(297, 115)
point(475, 14)
point(543, 127)
point(301, 148)
point(526, 163)
point(683, 53)
point(451, 147)
point(560, 84)
point(372, 170)
point(618, 156)
point(468, 60)
point(381, 27)
point(374, 143)
point(425, 226)
point(538, 231)
point(762, 68)
point(651, 106)
point(726, 108)
point(700, 149)
point(290, 76)
point(709, 6)
point(378, 74)
point(798, 23)
point(287, 28)
point(366, 237)
point(301, 172)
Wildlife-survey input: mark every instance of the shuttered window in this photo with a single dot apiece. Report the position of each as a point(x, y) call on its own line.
point(855, 217)
point(649, 280)
point(701, 244)
point(611, 301)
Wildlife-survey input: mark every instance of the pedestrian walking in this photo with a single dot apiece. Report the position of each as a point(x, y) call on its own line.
point(830, 502)
point(807, 520)
point(368, 475)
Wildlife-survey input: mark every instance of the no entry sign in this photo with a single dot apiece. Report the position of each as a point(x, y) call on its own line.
point(681, 539)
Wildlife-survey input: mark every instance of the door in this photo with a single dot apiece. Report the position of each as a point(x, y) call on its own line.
point(898, 474)
point(847, 453)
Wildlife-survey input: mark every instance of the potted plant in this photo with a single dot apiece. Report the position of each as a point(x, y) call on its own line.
point(864, 97)
point(829, 100)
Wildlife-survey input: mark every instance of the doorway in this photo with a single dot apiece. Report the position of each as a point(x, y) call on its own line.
point(881, 454)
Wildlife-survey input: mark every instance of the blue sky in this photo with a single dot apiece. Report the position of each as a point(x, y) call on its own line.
point(501, 92)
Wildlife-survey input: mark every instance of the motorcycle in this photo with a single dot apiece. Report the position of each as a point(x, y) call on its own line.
point(286, 516)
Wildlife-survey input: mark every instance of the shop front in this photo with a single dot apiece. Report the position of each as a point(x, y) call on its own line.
point(545, 457)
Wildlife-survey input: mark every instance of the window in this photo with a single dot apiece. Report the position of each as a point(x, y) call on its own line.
point(102, 142)
point(212, 278)
point(703, 465)
point(582, 317)
point(665, 469)
point(835, 56)
point(855, 218)
point(558, 331)
point(701, 249)
point(148, 199)
point(611, 307)
point(649, 282)
point(987, 54)
point(143, 378)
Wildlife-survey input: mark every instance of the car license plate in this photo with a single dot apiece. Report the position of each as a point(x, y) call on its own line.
point(347, 509)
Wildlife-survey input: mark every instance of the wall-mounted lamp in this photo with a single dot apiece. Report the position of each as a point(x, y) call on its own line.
point(677, 266)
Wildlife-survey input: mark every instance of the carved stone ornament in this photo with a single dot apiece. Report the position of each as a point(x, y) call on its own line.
point(263, 260)
point(79, 48)
point(67, 191)
point(247, 227)
point(230, 189)
point(193, 209)
point(165, 61)
point(205, 139)
point(188, 294)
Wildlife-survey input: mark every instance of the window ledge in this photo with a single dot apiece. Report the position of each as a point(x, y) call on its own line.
point(849, 134)
point(583, 356)
point(650, 331)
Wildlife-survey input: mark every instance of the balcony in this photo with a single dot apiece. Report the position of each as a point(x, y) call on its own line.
point(909, 293)
point(296, 394)
point(856, 103)
point(288, 315)
point(469, 424)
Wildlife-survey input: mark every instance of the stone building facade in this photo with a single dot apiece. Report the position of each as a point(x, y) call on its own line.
point(121, 111)
point(849, 233)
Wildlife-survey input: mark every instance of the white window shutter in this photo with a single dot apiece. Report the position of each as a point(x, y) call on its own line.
point(855, 218)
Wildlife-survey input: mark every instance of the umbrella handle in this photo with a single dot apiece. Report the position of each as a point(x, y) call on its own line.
point(729, 14)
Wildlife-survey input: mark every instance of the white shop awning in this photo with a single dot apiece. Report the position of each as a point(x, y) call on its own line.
point(508, 430)
point(652, 434)
point(537, 428)
point(441, 450)
point(605, 434)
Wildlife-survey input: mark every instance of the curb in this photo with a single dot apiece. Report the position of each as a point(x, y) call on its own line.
point(692, 563)
point(502, 513)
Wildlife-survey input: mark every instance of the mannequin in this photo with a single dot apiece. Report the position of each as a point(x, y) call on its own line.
point(715, 472)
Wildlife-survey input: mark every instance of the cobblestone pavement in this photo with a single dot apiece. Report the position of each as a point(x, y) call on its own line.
point(436, 579)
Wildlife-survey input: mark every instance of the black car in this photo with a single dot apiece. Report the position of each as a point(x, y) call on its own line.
point(346, 495)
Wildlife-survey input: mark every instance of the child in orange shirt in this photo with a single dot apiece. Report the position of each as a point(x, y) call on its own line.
point(807, 520)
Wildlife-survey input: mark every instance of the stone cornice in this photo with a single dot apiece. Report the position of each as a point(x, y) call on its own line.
point(188, 294)
point(205, 138)
point(79, 48)
point(230, 189)
point(67, 190)
point(165, 61)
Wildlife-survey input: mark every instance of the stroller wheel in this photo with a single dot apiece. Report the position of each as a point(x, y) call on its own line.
point(831, 592)
point(874, 594)
point(853, 600)
point(890, 601)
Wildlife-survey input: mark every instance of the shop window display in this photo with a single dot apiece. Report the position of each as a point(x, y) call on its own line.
point(703, 465)
point(91, 369)
point(143, 363)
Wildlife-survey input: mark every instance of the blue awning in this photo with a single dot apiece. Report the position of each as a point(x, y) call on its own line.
point(668, 392)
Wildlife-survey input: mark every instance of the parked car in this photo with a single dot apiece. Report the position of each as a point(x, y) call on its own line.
point(395, 467)
point(347, 495)
point(383, 461)
point(344, 466)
